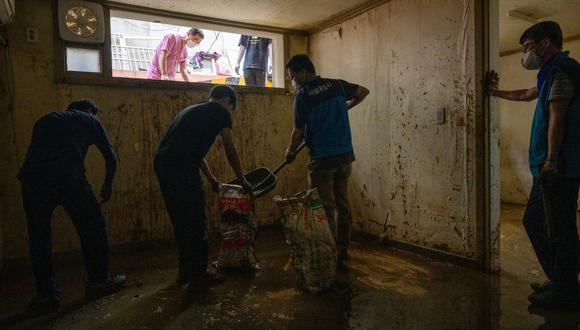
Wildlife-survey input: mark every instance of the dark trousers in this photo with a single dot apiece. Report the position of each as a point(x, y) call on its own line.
point(40, 198)
point(184, 199)
point(558, 253)
point(255, 77)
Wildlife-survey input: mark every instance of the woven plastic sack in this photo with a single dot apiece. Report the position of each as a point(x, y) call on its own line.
point(237, 228)
point(309, 236)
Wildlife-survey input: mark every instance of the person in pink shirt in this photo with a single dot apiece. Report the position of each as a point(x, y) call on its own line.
point(172, 52)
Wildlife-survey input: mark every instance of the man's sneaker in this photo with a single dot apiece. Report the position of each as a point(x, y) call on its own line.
point(205, 280)
point(113, 284)
point(539, 287)
point(44, 304)
point(177, 285)
point(557, 298)
point(548, 285)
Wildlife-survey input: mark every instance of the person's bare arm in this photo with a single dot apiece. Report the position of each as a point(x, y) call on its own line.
point(233, 159)
point(525, 95)
point(239, 59)
point(492, 82)
point(556, 130)
point(163, 63)
point(295, 139)
point(102, 142)
point(270, 57)
point(183, 71)
point(359, 96)
point(209, 175)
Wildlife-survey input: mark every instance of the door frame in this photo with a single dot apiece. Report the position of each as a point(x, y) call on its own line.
point(487, 132)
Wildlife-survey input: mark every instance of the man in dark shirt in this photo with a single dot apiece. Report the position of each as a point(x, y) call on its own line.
point(321, 119)
point(53, 174)
point(179, 158)
point(258, 52)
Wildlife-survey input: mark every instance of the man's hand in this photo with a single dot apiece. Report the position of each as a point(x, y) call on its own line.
point(237, 69)
point(247, 187)
point(215, 185)
point(549, 172)
point(360, 94)
point(290, 156)
point(106, 192)
point(492, 82)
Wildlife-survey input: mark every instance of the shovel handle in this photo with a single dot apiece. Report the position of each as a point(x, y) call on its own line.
point(285, 162)
point(277, 169)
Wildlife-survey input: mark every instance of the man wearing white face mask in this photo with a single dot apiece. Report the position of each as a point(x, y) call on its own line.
point(554, 158)
point(171, 52)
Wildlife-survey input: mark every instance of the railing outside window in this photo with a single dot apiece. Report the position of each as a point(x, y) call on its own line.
point(129, 58)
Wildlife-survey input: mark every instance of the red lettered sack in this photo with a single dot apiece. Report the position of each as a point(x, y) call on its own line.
point(237, 228)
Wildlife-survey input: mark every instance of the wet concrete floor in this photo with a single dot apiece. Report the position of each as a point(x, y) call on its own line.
point(385, 288)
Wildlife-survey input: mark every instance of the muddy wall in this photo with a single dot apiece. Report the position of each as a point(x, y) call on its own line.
point(136, 119)
point(516, 122)
point(413, 180)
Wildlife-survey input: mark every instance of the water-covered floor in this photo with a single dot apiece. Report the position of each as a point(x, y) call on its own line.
point(385, 288)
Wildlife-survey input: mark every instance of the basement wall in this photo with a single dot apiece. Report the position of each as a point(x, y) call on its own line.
point(516, 123)
point(414, 179)
point(136, 119)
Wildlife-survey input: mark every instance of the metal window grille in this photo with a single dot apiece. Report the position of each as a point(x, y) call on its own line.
point(129, 58)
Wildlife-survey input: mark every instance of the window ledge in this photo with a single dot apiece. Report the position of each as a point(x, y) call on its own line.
point(164, 84)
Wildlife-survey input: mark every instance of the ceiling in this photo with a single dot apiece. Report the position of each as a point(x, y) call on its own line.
point(304, 15)
point(288, 14)
point(565, 12)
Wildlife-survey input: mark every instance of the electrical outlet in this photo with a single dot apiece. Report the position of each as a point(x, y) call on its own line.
point(440, 116)
point(31, 35)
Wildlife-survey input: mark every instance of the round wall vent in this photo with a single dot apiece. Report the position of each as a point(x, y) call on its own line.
point(81, 21)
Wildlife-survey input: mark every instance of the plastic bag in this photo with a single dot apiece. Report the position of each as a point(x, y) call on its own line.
point(310, 238)
point(237, 228)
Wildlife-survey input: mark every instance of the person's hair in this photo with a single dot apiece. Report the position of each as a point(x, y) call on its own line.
point(195, 31)
point(223, 91)
point(300, 62)
point(84, 105)
point(539, 31)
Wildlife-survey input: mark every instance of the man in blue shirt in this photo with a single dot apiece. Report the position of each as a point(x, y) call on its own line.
point(53, 174)
point(554, 157)
point(321, 118)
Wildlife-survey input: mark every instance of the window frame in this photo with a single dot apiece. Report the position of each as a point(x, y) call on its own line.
point(105, 78)
point(91, 75)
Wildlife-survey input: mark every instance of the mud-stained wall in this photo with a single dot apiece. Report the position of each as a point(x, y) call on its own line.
point(413, 179)
point(136, 119)
point(516, 123)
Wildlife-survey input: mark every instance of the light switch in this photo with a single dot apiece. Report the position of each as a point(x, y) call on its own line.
point(31, 35)
point(440, 116)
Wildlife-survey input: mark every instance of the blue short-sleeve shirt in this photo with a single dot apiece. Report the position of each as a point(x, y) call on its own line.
point(320, 110)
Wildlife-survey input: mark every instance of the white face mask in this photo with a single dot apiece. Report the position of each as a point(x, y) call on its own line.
point(294, 85)
point(532, 61)
point(191, 43)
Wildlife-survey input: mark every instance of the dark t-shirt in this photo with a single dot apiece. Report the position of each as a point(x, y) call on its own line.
point(191, 135)
point(60, 141)
point(256, 51)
